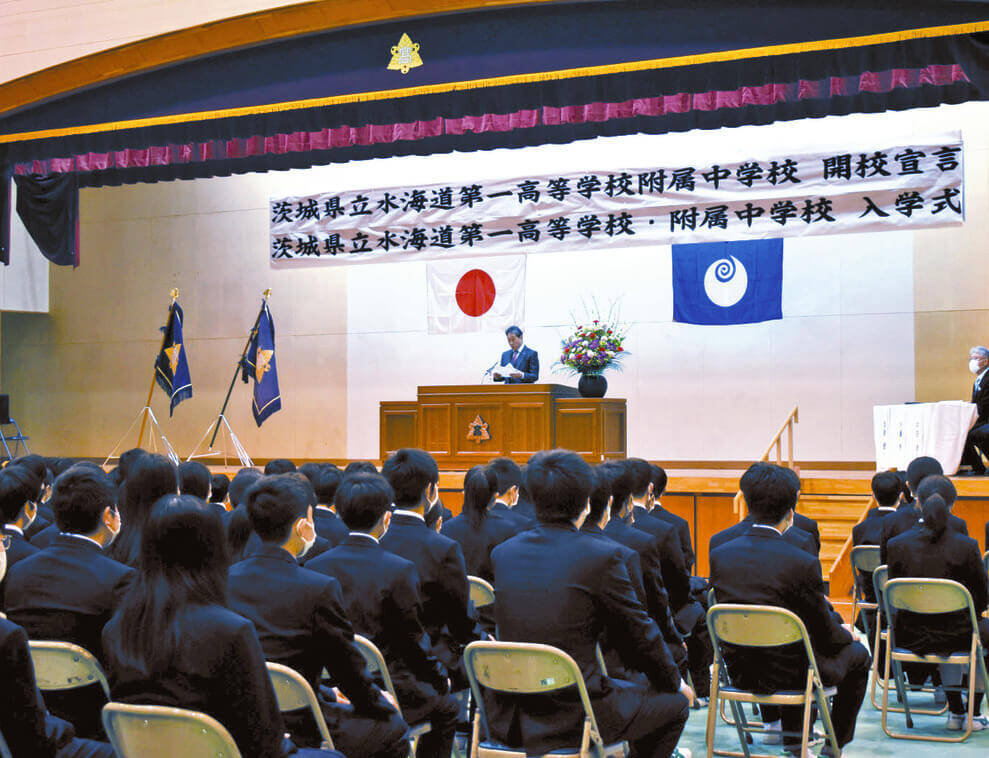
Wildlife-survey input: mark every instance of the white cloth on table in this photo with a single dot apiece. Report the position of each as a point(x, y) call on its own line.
point(904, 432)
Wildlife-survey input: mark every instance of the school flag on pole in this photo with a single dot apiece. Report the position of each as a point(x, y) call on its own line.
point(259, 363)
point(172, 366)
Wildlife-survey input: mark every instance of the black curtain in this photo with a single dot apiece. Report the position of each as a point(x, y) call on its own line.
point(49, 207)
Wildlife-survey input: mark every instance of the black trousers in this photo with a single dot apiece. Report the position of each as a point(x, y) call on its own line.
point(656, 728)
point(353, 733)
point(424, 703)
point(977, 440)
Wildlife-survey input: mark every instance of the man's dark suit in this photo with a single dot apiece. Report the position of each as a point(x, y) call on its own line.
point(381, 599)
point(299, 618)
point(906, 516)
point(329, 526)
point(67, 592)
point(520, 520)
point(255, 545)
point(762, 568)
point(26, 726)
point(19, 549)
point(477, 544)
point(810, 526)
point(42, 520)
point(527, 361)
point(524, 507)
point(683, 533)
point(978, 435)
point(44, 538)
point(796, 537)
point(559, 587)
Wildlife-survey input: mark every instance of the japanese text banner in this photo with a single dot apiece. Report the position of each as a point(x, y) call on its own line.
point(864, 189)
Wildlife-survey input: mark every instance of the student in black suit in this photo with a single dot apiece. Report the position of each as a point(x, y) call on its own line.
point(149, 478)
point(524, 360)
point(506, 497)
point(17, 510)
point(886, 490)
point(978, 436)
point(238, 523)
point(219, 486)
point(300, 622)
point(279, 466)
point(325, 481)
point(560, 587)
point(41, 469)
point(479, 529)
point(195, 480)
point(524, 506)
point(173, 641)
point(439, 562)
point(254, 543)
point(796, 537)
point(44, 538)
point(900, 522)
point(933, 550)
point(381, 599)
point(659, 481)
point(761, 568)
point(69, 590)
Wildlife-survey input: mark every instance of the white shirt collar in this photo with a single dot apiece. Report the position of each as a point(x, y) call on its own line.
point(14, 528)
point(81, 537)
point(767, 526)
point(521, 348)
point(365, 534)
point(403, 512)
point(497, 501)
point(325, 508)
point(982, 373)
point(889, 508)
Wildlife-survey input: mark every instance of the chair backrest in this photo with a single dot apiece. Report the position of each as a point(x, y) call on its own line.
point(293, 692)
point(929, 596)
point(64, 666)
point(481, 591)
point(879, 578)
point(376, 663)
point(865, 558)
point(154, 731)
point(524, 668)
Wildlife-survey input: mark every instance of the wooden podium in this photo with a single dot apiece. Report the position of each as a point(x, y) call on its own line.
point(464, 425)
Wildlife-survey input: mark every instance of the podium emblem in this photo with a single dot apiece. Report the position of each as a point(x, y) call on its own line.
point(477, 430)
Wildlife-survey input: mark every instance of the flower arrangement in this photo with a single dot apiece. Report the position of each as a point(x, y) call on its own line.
point(594, 347)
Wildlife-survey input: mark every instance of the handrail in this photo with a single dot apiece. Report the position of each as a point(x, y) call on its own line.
point(844, 555)
point(738, 504)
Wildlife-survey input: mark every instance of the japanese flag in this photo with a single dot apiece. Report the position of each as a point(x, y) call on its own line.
point(475, 294)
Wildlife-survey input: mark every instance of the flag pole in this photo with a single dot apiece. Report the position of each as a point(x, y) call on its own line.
point(144, 416)
point(240, 363)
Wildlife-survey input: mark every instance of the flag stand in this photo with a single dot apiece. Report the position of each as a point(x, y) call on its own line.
point(231, 441)
point(154, 432)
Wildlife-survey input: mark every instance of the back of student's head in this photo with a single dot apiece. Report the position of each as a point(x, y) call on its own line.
point(219, 484)
point(507, 473)
point(241, 483)
point(769, 491)
point(600, 494)
point(523, 486)
point(325, 482)
point(905, 492)
point(278, 466)
point(61, 465)
point(275, 503)
point(936, 484)
point(362, 499)
point(639, 476)
point(360, 467)
point(194, 479)
point(151, 477)
point(308, 470)
point(18, 485)
point(410, 471)
point(480, 486)
point(659, 480)
point(559, 482)
point(619, 483)
point(886, 488)
point(38, 465)
point(127, 460)
point(922, 467)
point(79, 498)
point(935, 511)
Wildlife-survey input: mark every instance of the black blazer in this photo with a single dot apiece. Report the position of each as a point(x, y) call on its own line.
point(519, 520)
point(905, 518)
point(44, 538)
point(762, 568)
point(19, 549)
point(675, 576)
point(442, 575)
point(524, 507)
point(980, 397)
point(329, 526)
point(870, 530)
point(559, 587)
point(255, 545)
point(951, 556)
point(67, 592)
point(218, 669)
point(477, 544)
point(381, 599)
point(683, 533)
point(527, 363)
point(810, 526)
point(44, 519)
point(797, 537)
point(300, 621)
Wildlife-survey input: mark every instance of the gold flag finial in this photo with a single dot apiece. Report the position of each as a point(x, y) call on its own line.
point(405, 55)
point(174, 294)
point(266, 294)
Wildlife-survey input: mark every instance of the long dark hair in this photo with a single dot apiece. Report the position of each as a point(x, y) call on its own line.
point(935, 515)
point(150, 478)
point(183, 562)
point(480, 485)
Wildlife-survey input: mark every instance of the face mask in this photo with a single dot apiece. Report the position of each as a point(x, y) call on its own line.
point(308, 543)
point(973, 366)
point(3, 562)
point(114, 532)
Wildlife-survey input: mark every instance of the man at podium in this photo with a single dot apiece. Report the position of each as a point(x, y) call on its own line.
point(519, 364)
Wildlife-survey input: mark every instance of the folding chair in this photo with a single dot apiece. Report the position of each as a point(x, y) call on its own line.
point(524, 669)
point(481, 592)
point(64, 666)
point(730, 721)
point(376, 664)
point(293, 692)
point(763, 626)
point(930, 596)
point(156, 731)
point(865, 559)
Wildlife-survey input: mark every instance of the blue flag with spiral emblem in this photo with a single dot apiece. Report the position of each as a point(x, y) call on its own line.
point(728, 282)
point(259, 364)
point(172, 366)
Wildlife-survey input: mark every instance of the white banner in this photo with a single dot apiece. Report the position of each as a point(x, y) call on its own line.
point(863, 189)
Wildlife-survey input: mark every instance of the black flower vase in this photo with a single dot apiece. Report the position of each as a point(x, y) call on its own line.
point(592, 385)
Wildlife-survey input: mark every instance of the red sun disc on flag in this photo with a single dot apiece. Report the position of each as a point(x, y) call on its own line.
point(476, 292)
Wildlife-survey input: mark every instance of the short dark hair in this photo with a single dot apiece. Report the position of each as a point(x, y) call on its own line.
point(219, 484)
point(308, 470)
point(18, 485)
point(507, 474)
point(39, 466)
point(360, 467)
point(194, 479)
point(937, 484)
point(921, 467)
point(241, 483)
point(325, 484)
point(362, 499)
point(769, 492)
point(659, 479)
point(905, 490)
point(279, 466)
point(513, 330)
point(618, 481)
point(409, 471)
point(886, 488)
point(79, 498)
point(127, 460)
point(600, 494)
point(639, 474)
point(560, 482)
point(276, 502)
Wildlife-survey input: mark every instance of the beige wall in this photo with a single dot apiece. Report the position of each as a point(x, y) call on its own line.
point(78, 377)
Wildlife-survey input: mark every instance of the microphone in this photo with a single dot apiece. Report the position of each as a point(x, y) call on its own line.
point(489, 371)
